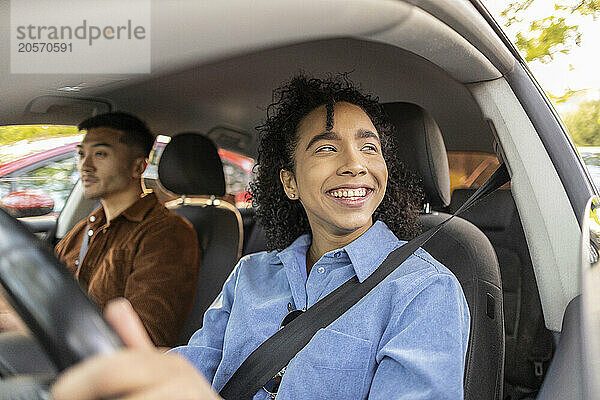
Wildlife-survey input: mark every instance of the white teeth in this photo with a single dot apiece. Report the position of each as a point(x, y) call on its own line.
point(349, 193)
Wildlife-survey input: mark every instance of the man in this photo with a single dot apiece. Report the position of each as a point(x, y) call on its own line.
point(131, 246)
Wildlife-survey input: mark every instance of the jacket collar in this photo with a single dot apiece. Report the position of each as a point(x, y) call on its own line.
point(138, 210)
point(134, 213)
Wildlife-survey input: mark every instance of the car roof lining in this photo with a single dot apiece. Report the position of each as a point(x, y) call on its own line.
point(235, 92)
point(199, 41)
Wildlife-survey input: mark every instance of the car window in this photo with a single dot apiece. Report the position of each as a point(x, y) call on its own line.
point(56, 179)
point(236, 167)
point(591, 158)
point(37, 168)
point(469, 170)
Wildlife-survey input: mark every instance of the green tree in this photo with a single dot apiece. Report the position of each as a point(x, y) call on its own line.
point(546, 37)
point(542, 39)
point(584, 123)
point(584, 7)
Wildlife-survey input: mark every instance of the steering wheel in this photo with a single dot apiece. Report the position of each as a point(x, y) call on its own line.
point(66, 323)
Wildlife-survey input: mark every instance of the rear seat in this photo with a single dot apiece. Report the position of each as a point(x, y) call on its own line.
point(529, 346)
point(255, 239)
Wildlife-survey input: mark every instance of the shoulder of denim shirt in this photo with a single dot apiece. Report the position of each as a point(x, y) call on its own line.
point(420, 271)
point(440, 268)
point(422, 263)
point(272, 257)
point(261, 257)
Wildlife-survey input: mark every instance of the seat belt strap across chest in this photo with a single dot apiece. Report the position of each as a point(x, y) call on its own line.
point(277, 351)
point(83, 249)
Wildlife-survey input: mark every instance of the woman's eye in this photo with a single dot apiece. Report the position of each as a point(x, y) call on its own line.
point(100, 154)
point(370, 147)
point(325, 148)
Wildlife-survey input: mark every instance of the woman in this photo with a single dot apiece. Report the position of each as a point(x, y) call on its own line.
point(333, 200)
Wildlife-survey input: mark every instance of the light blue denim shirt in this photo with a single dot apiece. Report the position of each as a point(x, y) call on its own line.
point(407, 339)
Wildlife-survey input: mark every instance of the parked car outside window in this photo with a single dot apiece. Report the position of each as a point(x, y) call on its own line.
point(35, 183)
point(37, 173)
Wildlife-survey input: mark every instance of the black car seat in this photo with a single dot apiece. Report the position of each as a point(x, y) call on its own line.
point(529, 346)
point(190, 167)
point(460, 246)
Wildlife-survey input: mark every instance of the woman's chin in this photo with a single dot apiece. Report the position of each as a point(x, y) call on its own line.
point(349, 227)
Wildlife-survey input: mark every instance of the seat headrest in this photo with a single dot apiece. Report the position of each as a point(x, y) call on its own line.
point(421, 148)
point(190, 165)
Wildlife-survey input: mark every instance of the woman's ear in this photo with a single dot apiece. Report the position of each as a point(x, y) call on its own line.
point(289, 183)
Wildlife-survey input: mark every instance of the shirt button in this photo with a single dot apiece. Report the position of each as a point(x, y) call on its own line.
point(76, 262)
point(92, 218)
point(337, 254)
point(90, 233)
point(321, 270)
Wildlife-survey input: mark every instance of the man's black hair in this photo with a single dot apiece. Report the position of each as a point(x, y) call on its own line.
point(135, 132)
point(284, 219)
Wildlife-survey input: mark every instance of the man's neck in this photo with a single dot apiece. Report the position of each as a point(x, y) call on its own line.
point(116, 203)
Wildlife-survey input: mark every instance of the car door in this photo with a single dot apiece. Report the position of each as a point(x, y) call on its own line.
point(590, 299)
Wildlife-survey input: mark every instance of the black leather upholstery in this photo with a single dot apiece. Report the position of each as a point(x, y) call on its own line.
point(421, 148)
point(190, 166)
point(461, 247)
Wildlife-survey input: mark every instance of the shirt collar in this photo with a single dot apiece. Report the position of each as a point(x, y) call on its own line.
point(366, 252)
point(138, 210)
point(301, 244)
point(134, 213)
point(369, 250)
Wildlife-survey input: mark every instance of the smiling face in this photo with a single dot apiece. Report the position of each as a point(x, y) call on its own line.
point(107, 166)
point(340, 175)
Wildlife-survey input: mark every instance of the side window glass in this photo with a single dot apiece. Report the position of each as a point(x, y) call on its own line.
point(469, 170)
point(591, 158)
point(237, 180)
point(55, 179)
point(37, 168)
point(236, 167)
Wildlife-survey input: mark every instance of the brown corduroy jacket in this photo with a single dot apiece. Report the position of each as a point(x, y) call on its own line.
point(147, 254)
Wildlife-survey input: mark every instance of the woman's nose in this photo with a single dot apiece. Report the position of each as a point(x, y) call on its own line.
point(352, 165)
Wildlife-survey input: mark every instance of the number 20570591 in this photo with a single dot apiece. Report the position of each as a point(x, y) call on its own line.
point(45, 47)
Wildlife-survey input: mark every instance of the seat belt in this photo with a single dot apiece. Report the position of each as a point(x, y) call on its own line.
point(277, 351)
point(82, 250)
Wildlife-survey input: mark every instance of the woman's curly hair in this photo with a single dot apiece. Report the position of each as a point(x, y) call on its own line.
point(283, 219)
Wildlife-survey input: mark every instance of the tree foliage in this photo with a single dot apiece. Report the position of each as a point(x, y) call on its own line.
point(584, 7)
point(546, 37)
point(15, 133)
point(542, 39)
point(584, 123)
